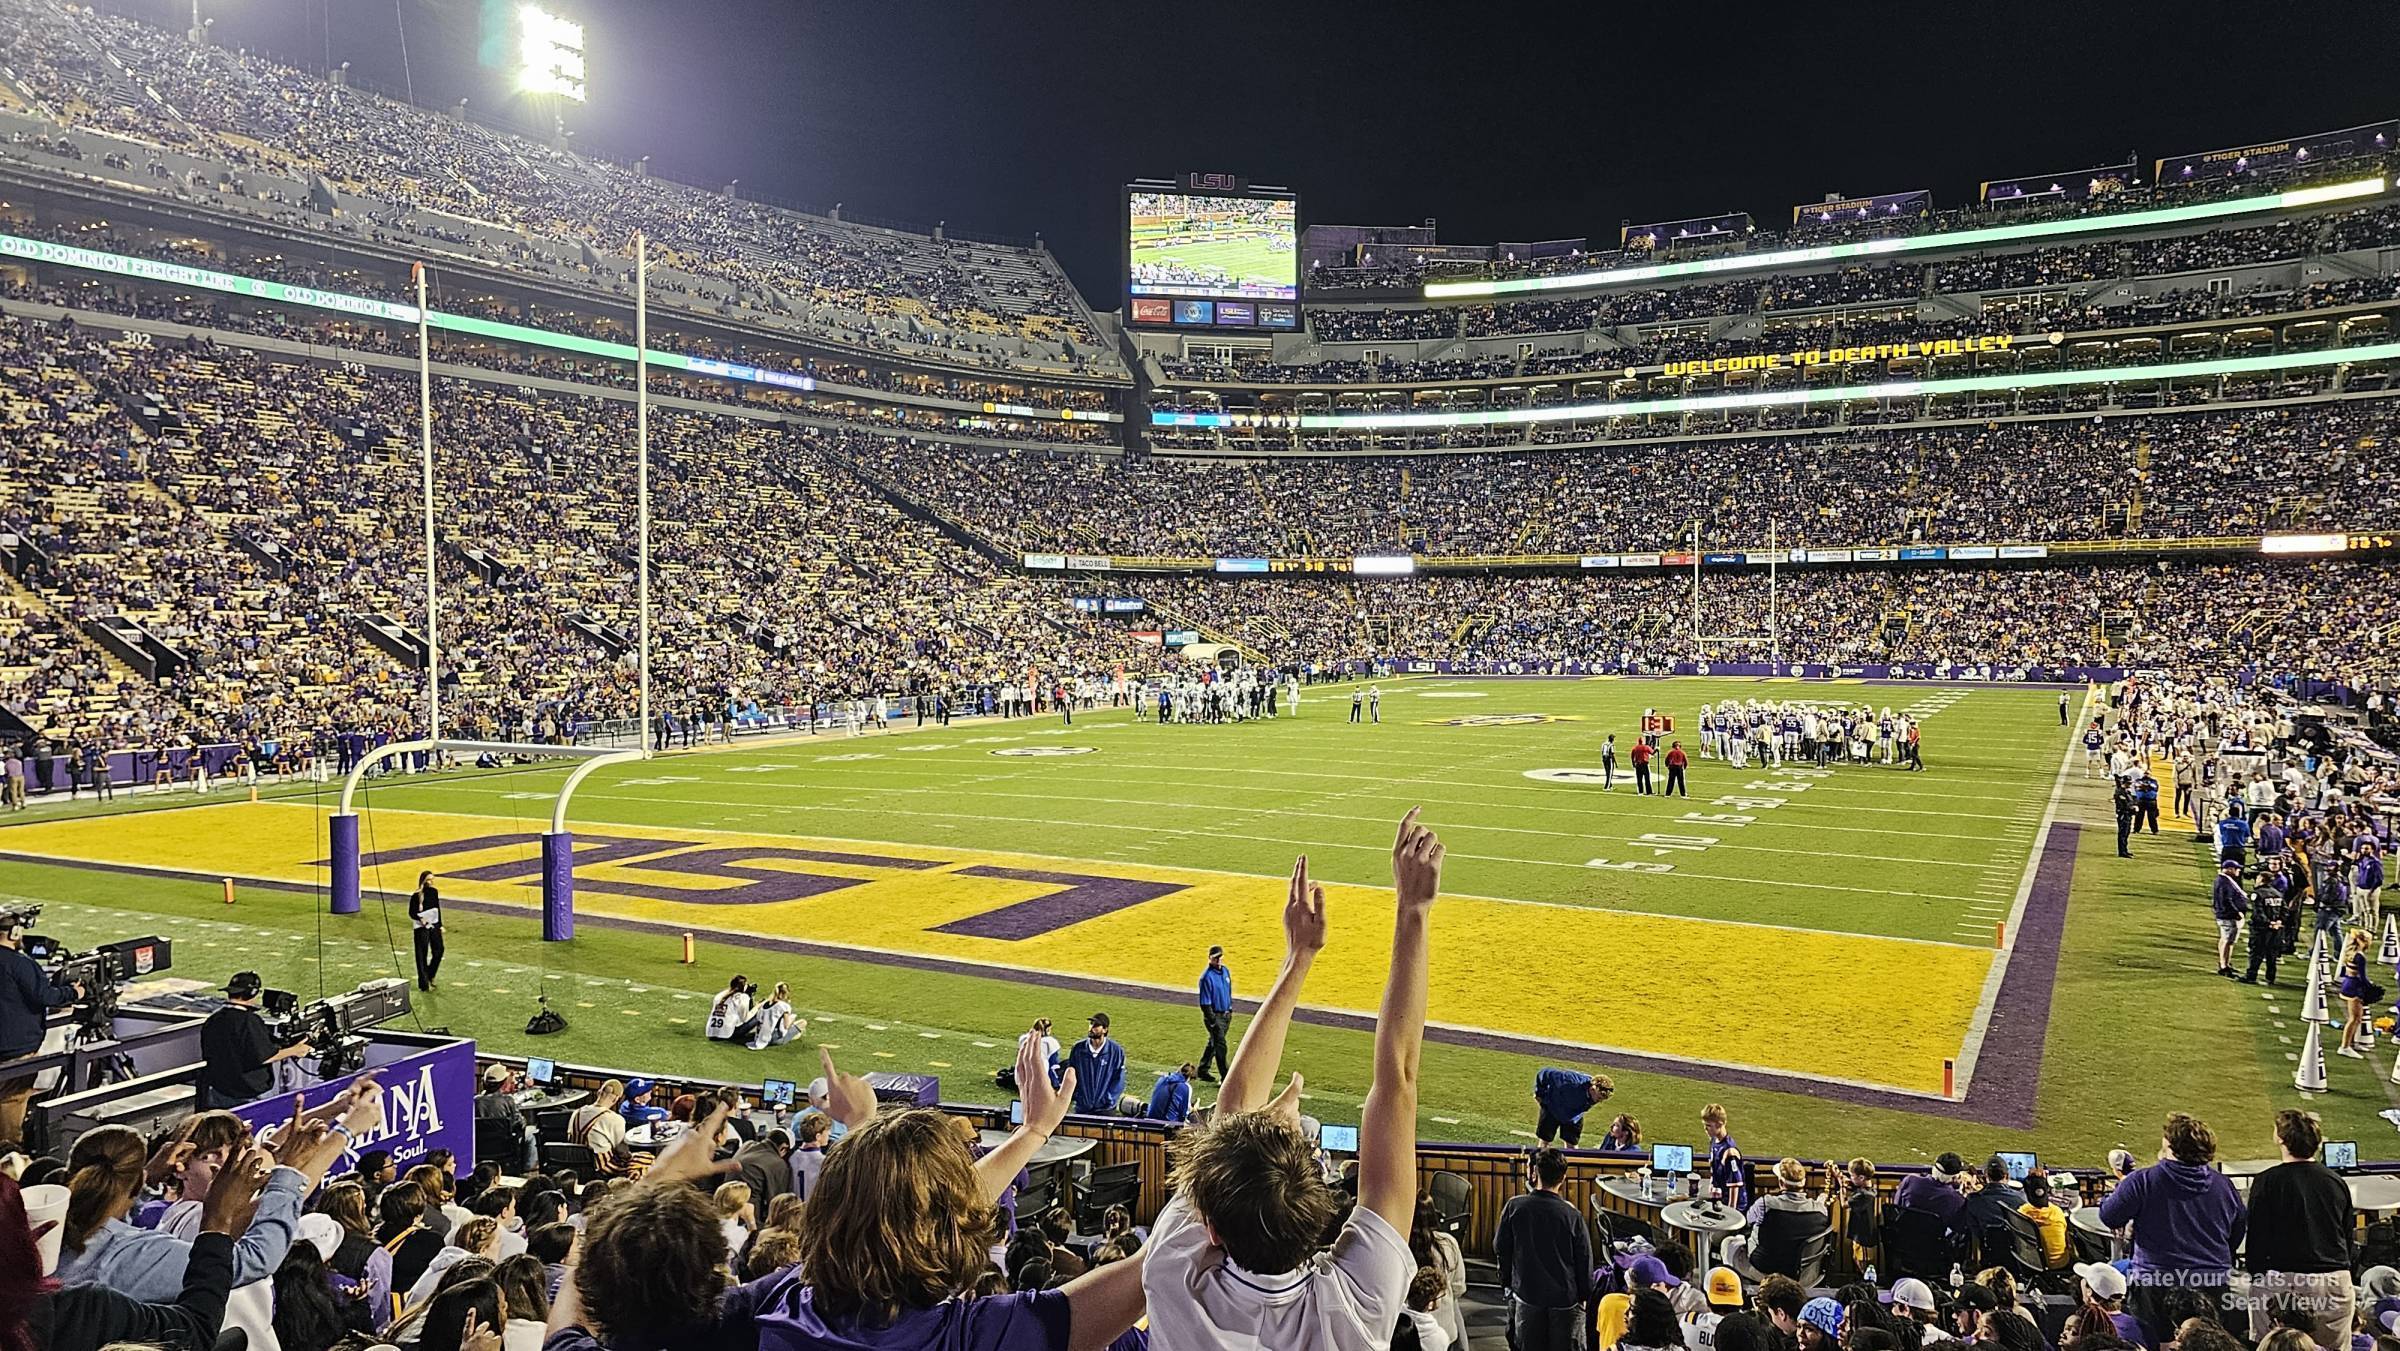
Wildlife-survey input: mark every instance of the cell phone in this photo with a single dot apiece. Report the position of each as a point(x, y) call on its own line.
point(1670, 1158)
point(2020, 1166)
point(778, 1092)
point(1338, 1139)
point(1016, 1112)
point(2341, 1153)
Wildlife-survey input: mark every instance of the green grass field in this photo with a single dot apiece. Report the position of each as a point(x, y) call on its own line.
point(1245, 260)
point(1811, 951)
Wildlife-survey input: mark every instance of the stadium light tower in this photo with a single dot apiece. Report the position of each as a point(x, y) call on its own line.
point(549, 54)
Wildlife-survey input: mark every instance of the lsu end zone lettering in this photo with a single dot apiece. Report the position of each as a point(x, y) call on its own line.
point(997, 913)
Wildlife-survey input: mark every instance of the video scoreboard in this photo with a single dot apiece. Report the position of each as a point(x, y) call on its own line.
point(1211, 252)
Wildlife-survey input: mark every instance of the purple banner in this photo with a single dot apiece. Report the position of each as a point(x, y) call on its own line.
point(2270, 157)
point(428, 1104)
point(1847, 210)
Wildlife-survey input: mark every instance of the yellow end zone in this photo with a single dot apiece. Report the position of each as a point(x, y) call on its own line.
point(1876, 1011)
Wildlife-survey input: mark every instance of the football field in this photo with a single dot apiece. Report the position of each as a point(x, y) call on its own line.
point(1849, 948)
point(1244, 260)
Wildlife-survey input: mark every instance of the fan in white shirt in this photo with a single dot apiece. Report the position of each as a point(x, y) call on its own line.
point(1233, 1262)
point(731, 1011)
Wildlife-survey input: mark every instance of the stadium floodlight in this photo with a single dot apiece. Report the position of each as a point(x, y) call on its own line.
point(549, 53)
point(1952, 239)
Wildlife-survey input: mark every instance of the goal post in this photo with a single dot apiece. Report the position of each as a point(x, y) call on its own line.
point(1701, 639)
point(558, 844)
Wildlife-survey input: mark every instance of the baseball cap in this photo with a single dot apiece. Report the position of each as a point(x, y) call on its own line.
point(1976, 1298)
point(244, 985)
point(324, 1232)
point(818, 1088)
point(1099, 1020)
point(1215, 950)
point(1648, 1270)
point(1824, 1315)
point(635, 1088)
point(1724, 1287)
point(1913, 1293)
point(1949, 1164)
point(2106, 1281)
point(495, 1074)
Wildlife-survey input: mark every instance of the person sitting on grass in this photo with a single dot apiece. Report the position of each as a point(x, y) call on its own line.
point(1233, 1259)
point(729, 1012)
point(774, 1023)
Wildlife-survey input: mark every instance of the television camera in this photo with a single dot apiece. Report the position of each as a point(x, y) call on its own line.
point(101, 971)
point(332, 1025)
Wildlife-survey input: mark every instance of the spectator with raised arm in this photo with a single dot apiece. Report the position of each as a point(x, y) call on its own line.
point(86, 1317)
point(1234, 1259)
point(110, 1164)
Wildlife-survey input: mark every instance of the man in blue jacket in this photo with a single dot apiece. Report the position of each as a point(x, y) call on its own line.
point(1216, 1011)
point(1564, 1096)
point(1099, 1064)
point(2186, 1223)
point(1171, 1097)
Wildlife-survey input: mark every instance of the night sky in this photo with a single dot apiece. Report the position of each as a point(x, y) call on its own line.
point(1516, 122)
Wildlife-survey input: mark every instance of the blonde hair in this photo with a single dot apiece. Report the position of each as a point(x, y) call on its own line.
point(477, 1234)
point(731, 1197)
point(1791, 1174)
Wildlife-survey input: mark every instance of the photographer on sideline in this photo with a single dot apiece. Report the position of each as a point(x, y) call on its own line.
point(237, 1050)
point(26, 998)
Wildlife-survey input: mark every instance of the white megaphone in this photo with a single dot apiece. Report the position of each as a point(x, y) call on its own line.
point(2310, 1076)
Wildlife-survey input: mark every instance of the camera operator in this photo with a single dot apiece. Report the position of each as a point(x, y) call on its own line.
point(26, 998)
point(237, 1049)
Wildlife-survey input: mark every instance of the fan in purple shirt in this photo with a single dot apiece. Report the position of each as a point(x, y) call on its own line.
point(907, 1222)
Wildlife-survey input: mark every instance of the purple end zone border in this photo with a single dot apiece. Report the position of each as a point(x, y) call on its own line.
point(2004, 1093)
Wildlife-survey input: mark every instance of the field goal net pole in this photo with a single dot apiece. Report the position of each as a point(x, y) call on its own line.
point(1701, 640)
point(641, 470)
point(558, 845)
point(433, 629)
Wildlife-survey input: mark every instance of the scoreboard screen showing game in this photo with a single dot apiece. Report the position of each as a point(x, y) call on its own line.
point(1211, 259)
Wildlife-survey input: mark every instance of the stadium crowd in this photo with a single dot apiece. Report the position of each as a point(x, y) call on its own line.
point(526, 204)
point(253, 515)
point(2313, 467)
point(2032, 269)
